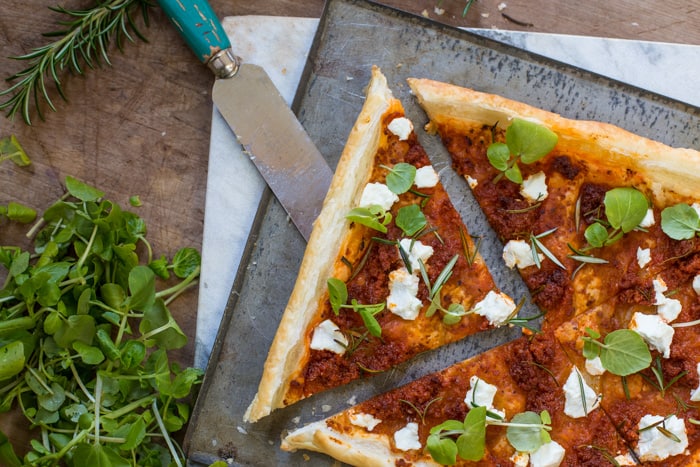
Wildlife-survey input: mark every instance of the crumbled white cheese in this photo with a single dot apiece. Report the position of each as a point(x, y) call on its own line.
point(695, 393)
point(401, 127)
point(654, 445)
point(472, 182)
point(378, 193)
point(548, 455)
point(643, 257)
point(496, 307)
point(594, 366)
point(364, 420)
point(625, 459)
point(402, 300)
point(416, 250)
point(573, 405)
point(407, 437)
point(696, 284)
point(648, 220)
point(327, 336)
point(426, 177)
point(481, 394)
point(520, 459)
point(534, 187)
point(667, 308)
point(654, 331)
point(519, 253)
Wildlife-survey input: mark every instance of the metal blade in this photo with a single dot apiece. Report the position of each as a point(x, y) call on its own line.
point(276, 142)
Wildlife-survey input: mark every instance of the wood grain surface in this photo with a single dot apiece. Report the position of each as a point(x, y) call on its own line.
point(141, 126)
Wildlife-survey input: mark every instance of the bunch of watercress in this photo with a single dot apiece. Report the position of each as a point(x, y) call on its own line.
point(84, 335)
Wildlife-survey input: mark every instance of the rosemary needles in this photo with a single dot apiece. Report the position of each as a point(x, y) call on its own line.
point(83, 42)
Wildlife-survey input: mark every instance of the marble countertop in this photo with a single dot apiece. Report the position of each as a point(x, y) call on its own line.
point(280, 45)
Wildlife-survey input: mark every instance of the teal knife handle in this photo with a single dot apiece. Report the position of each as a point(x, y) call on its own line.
point(198, 25)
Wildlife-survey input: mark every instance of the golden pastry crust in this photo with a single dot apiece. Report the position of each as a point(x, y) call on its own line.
point(673, 174)
point(289, 350)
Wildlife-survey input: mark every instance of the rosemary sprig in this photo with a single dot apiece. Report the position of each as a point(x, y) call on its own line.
point(83, 41)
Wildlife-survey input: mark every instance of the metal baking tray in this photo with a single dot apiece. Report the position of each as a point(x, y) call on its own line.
point(352, 36)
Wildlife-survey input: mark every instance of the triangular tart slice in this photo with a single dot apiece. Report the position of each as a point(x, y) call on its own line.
point(577, 204)
point(390, 270)
point(506, 406)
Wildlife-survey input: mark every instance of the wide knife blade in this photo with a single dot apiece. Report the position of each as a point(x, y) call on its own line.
point(263, 123)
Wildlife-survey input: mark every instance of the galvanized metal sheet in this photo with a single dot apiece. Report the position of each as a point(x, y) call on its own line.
point(352, 36)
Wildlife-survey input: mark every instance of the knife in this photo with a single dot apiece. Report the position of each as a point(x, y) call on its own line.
point(263, 123)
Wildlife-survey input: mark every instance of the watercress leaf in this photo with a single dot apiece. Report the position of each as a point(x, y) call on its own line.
point(20, 213)
point(8, 457)
point(46, 416)
point(75, 328)
point(183, 382)
point(52, 323)
point(680, 222)
point(625, 208)
point(442, 450)
point(591, 350)
point(167, 333)
point(625, 352)
point(185, 262)
point(142, 288)
point(135, 435)
point(370, 321)
point(20, 263)
point(337, 293)
point(498, 155)
point(400, 177)
point(113, 295)
point(513, 174)
point(11, 359)
point(132, 353)
point(160, 267)
point(410, 219)
point(10, 148)
point(448, 425)
point(73, 412)
point(470, 444)
point(530, 141)
point(96, 455)
point(135, 201)
point(596, 235)
point(369, 217)
point(52, 401)
point(525, 437)
point(454, 314)
point(89, 354)
point(82, 191)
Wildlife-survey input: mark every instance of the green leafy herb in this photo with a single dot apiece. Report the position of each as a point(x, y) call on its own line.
point(400, 177)
point(18, 212)
point(536, 245)
point(12, 150)
point(69, 358)
point(622, 353)
point(526, 432)
point(83, 41)
point(659, 381)
point(680, 222)
point(526, 142)
point(374, 217)
point(338, 297)
point(625, 208)
point(455, 311)
point(411, 219)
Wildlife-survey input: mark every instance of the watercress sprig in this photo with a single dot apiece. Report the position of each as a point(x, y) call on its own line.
point(625, 208)
point(622, 352)
point(680, 222)
point(526, 142)
point(526, 432)
point(10, 149)
point(374, 217)
point(338, 297)
point(400, 177)
point(70, 360)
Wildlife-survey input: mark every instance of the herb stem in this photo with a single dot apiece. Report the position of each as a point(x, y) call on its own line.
point(81, 385)
point(179, 288)
point(168, 441)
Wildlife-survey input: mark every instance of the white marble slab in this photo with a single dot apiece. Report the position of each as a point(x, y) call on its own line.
point(281, 45)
